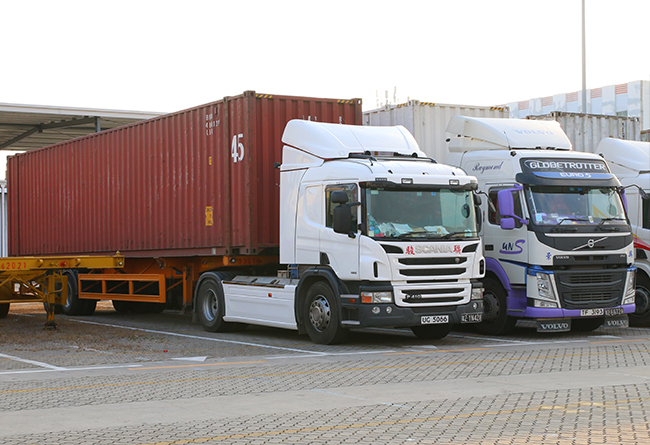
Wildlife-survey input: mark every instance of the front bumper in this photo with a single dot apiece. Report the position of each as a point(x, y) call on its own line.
point(390, 315)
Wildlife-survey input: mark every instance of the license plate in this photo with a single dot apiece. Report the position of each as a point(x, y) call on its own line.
point(592, 312)
point(612, 311)
point(434, 319)
point(471, 318)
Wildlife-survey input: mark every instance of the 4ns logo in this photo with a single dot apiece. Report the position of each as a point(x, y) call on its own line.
point(513, 248)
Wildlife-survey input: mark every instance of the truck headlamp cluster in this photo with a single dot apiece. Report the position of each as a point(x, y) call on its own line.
point(377, 297)
point(630, 289)
point(545, 287)
point(477, 293)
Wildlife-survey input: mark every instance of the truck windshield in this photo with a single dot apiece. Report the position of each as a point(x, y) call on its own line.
point(428, 214)
point(553, 205)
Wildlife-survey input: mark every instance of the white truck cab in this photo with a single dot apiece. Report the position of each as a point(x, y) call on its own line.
point(372, 233)
point(559, 248)
point(630, 162)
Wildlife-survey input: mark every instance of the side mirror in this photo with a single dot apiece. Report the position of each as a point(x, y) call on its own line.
point(506, 203)
point(507, 223)
point(477, 200)
point(342, 221)
point(479, 218)
point(507, 206)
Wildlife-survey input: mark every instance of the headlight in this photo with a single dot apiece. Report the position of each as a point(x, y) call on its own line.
point(477, 293)
point(543, 303)
point(544, 286)
point(377, 297)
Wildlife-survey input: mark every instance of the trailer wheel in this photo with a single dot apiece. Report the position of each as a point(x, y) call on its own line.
point(322, 315)
point(586, 324)
point(75, 306)
point(432, 331)
point(121, 306)
point(4, 310)
point(641, 315)
point(210, 306)
point(496, 320)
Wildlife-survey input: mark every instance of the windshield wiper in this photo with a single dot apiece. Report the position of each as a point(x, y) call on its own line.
point(421, 233)
point(568, 218)
point(457, 234)
point(601, 224)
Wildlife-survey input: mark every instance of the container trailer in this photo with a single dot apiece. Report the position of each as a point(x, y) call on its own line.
point(558, 245)
point(257, 209)
point(630, 162)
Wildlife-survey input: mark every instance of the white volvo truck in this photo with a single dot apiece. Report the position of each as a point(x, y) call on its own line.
point(372, 234)
point(559, 248)
point(630, 162)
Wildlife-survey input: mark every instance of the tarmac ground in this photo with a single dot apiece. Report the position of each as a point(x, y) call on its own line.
point(142, 379)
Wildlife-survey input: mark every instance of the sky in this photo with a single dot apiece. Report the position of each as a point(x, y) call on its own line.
point(166, 56)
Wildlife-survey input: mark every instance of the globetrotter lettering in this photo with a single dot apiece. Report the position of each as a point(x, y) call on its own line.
point(433, 248)
point(565, 165)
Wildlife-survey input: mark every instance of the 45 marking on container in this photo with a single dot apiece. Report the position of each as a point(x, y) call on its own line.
point(237, 148)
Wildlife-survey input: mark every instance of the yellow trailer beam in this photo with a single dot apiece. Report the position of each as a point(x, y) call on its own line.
point(34, 279)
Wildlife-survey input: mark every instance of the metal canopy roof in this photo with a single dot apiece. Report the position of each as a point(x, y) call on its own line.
point(28, 127)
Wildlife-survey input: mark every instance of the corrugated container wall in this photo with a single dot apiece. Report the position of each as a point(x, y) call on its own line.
point(586, 131)
point(197, 182)
point(428, 121)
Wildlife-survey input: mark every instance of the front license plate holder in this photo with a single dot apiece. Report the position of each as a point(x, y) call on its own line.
point(434, 319)
point(596, 312)
point(471, 318)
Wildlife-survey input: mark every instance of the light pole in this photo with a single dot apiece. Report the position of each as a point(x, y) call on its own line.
point(584, 62)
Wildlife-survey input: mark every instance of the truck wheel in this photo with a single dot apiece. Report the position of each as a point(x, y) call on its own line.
point(210, 306)
point(586, 324)
point(75, 306)
point(121, 306)
point(641, 316)
point(496, 321)
point(4, 310)
point(432, 331)
point(321, 315)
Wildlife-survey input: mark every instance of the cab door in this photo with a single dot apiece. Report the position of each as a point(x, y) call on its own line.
point(338, 250)
point(508, 246)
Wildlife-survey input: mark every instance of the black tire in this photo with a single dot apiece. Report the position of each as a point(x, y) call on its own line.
point(321, 315)
point(432, 331)
point(496, 320)
point(121, 306)
point(4, 310)
point(210, 306)
point(641, 316)
point(75, 306)
point(586, 324)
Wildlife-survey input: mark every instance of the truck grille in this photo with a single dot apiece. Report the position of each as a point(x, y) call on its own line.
point(590, 289)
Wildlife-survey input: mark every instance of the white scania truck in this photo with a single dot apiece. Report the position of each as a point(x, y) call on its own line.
point(559, 248)
point(630, 162)
point(374, 233)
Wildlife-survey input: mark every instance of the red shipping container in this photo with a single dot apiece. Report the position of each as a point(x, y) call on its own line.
point(197, 182)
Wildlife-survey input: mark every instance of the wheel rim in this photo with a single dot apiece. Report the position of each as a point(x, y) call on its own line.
point(320, 314)
point(210, 305)
point(642, 301)
point(490, 306)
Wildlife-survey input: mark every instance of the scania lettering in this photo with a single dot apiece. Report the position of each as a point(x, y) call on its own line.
point(558, 245)
point(630, 162)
